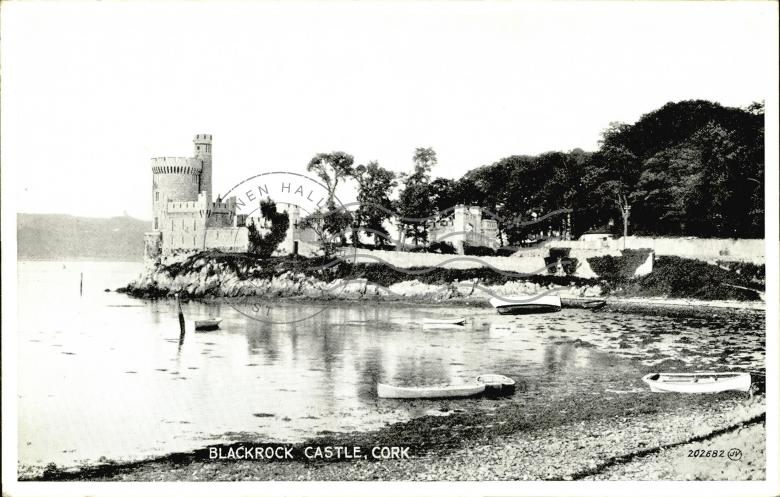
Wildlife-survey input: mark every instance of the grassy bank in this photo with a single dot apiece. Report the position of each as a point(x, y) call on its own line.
point(675, 277)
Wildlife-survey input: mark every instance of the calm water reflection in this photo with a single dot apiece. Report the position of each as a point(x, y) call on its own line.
point(105, 375)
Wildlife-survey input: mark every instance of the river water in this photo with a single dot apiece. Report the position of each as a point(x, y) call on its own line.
point(105, 376)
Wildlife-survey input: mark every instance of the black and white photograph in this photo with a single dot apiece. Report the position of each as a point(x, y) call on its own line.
point(374, 248)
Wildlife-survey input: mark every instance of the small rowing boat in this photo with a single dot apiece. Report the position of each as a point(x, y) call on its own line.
point(207, 324)
point(526, 304)
point(497, 384)
point(444, 322)
point(385, 391)
point(578, 303)
point(697, 382)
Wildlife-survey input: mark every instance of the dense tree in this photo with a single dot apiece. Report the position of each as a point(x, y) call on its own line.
point(444, 194)
point(414, 202)
point(424, 161)
point(375, 185)
point(612, 180)
point(490, 183)
point(274, 229)
point(701, 169)
point(331, 168)
point(693, 168)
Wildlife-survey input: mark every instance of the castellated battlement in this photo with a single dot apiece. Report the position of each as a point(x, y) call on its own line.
point(176, 165)
point(203, 138)
point(192, 206)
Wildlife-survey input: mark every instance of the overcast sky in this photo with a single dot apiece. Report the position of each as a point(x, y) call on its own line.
point(91, 91)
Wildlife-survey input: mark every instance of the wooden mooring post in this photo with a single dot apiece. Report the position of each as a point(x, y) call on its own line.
point(181, 316)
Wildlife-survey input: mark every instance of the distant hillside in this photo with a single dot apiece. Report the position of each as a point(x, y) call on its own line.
point(60, 236)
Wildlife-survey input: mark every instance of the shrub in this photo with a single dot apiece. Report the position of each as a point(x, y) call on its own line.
point(619, 269)
point(753, 272)
point(505, 251)
point(372, 246)
point(442, 248)
point(552, 264)
point(570, 265)
point(559, 252)
point(678, 277)
point(477, 250)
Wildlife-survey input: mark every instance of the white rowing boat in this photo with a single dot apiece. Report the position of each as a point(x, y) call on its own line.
point(497, 384)
point(207, 324)
point(526, 304)
point(579, 303)
point(444, 322)
point(697, 382)
point(385, 391)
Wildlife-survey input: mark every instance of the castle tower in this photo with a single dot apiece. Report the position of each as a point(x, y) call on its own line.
point(203, 154)
point(174, 179)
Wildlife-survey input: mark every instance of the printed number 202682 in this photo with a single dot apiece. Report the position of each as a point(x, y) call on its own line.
point(706, 453)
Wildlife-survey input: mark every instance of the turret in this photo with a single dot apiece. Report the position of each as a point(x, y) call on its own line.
point(203, 154)
point(174, 179)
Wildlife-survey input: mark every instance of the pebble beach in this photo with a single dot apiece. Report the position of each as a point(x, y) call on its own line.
point(636, 437)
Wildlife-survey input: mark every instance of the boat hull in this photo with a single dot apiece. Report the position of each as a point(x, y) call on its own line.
point(525, 304)
point(385, 391)
point(497, 385)
point(572, 303)
point(526, 309)
point(443, 322)
point(207, 325)
point(697, 382)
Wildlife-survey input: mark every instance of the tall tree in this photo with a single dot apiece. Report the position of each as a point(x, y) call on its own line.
point(375, 185)
point(332, 168)
point(414, 200)
point(490, 182)
point(613, 178)
point(424, 161)
point(517, 194)
point(702, 168)
point(444, 194)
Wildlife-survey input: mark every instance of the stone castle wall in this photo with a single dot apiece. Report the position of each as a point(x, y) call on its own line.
point(703, 249)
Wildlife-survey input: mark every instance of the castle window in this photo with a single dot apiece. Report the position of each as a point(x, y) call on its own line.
point(155, 223)
point(156, 196)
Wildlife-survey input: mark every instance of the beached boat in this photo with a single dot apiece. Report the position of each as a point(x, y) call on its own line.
point(526, 304)
point(579, 303)
point(497, 384)
point(385, 391)
point(444, 322)
point(207, 324)
point(697, 382)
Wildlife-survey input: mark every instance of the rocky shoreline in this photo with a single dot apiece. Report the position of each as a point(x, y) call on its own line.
point(222, 276)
